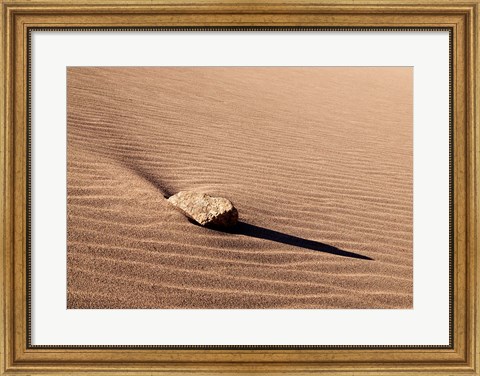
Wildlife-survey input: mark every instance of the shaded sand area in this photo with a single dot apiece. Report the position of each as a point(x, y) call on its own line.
point(318, 161)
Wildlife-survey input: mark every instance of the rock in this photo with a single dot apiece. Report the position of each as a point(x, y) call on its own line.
point(204, 209)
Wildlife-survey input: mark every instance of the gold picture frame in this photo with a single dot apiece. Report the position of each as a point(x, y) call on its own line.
point(461, 357)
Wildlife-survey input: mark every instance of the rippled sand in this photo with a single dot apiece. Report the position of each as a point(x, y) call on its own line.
point(318, 161)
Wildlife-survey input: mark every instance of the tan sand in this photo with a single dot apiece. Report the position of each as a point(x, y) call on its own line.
point(318, 161)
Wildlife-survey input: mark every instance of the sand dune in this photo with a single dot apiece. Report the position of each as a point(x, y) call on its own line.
point(318, 161)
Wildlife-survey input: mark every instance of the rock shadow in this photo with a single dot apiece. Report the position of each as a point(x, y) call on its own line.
point(246, 229)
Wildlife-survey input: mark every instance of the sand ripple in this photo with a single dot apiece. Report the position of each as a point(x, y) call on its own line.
point(317, 160)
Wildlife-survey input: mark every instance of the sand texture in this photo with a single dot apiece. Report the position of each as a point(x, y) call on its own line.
point(318, 162)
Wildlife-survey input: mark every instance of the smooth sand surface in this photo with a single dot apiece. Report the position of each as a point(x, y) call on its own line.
point(318, 161)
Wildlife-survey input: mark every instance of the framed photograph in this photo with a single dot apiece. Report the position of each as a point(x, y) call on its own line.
point(252, 188)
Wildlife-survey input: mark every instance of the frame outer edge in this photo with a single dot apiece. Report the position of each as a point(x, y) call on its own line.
point(6, 180)
point(472, 147)
point(473, 182)
point(2, 185)
point(7, 171)
point(476, 182)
